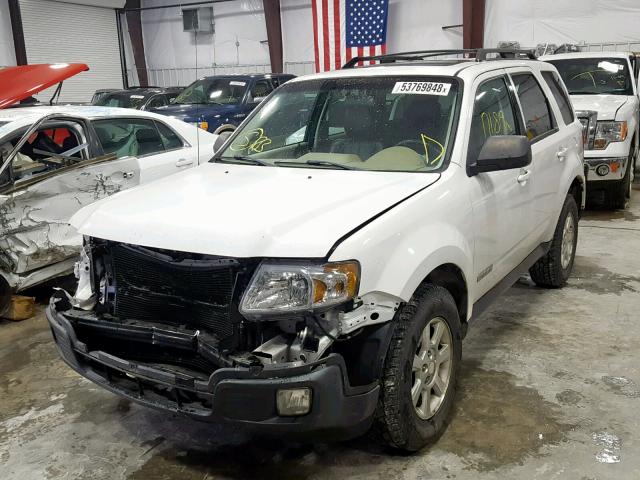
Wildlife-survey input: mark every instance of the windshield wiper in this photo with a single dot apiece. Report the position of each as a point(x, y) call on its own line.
point(327, 163)
point(241, 158)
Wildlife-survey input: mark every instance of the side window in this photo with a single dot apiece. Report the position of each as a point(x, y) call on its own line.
point(170, 139)
point(535, 107)
point(261, 88)
point(51, 147)
point(559, 93)
point(157, 101)
point(492, 115)
point(128, 136)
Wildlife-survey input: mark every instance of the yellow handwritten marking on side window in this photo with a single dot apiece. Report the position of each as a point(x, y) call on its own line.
point(590, 74)
point(432, 143)
point(253, 142)
point(494, 123)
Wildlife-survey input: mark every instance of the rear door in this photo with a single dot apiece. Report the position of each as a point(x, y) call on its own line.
point(42, 191)
point(502, 200)
point(159, 150)
point(551, 145)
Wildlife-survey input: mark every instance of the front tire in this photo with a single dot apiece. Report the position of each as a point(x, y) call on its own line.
point(554, 268)
point(420, 371)
point(620, 193)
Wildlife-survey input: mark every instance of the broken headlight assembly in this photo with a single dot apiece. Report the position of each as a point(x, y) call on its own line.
point(282, 289)
point(609, 132)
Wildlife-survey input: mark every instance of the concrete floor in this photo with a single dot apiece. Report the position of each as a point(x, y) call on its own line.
point(550, 389)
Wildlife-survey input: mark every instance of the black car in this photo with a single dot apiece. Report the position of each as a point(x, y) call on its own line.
point(140, 98)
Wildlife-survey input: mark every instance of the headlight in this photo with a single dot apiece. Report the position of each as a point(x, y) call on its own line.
point(277, 288)
point(607, 132)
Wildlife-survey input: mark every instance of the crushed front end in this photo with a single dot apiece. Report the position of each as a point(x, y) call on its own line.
point(175, 331)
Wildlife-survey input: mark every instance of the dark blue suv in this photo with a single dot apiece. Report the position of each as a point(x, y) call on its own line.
point(218, 104)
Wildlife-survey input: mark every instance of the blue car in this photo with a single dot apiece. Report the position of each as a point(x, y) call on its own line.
point(219, 104)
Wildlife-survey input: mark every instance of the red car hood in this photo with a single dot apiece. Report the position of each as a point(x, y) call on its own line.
point(18, 83)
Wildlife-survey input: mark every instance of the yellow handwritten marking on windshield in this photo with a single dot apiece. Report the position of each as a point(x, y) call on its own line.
point(590, 73)
point(427, 141)
point(254, 142)
point(494, 123)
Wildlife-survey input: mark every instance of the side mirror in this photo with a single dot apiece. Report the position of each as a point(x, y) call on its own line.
point(502, 152)
point(222, 137)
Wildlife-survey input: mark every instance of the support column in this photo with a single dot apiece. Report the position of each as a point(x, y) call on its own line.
point(18, 33)
point(274, 33)
point(473, 23)
point(135, 33)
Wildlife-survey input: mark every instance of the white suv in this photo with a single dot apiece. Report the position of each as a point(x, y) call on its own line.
point(319, 274)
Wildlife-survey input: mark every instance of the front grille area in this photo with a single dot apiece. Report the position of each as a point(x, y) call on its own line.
point(176, 288)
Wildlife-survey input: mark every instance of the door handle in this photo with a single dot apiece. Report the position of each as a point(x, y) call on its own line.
point(128, 174)
point(183, 162)
point(523, 178)
point(562, 153)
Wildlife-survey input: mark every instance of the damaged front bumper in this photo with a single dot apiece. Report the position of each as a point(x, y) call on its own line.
point(239, 395)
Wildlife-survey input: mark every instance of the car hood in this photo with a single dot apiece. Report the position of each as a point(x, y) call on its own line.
point(194, 112)
point(605, 105)
point(248, 211)
point(24, 81)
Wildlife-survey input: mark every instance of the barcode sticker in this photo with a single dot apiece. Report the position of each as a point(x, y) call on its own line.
point(422, 88)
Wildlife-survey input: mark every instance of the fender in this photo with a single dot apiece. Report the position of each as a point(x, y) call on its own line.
point(397, 251)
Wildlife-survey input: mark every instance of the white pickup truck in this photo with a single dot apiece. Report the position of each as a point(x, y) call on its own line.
point(319, 274)
point(604, 92)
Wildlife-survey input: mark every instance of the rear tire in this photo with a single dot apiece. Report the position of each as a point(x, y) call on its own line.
point(5, 295)
point(554, 268)
point(418, 382)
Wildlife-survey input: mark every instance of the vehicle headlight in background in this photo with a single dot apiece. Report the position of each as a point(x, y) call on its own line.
point(608, 132)
point(277, 288)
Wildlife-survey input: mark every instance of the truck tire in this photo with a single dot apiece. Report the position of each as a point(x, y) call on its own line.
point(420, 371)
point(554, 268)
point(619, 194)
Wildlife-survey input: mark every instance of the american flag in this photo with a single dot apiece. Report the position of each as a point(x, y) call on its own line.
point(343, 29)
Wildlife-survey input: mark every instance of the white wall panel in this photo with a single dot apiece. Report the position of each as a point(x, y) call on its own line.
point(7, 52)
point(239, 30)
point(561, 21)
point(57, 32)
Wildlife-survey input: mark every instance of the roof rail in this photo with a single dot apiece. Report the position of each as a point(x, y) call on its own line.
point(480, 55)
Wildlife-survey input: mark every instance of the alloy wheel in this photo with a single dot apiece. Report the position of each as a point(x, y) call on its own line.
point(431, 369)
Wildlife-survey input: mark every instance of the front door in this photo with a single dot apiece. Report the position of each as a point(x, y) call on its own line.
point(50, 178)
point(501, 200)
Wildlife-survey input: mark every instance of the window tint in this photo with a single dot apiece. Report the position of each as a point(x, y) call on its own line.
point(553, 81)
point(170, 139)
point(492, 115)
point(537, 116)
point(128, 136)
point(261, 88)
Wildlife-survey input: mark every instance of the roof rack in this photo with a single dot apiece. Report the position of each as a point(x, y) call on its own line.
point(480, 55)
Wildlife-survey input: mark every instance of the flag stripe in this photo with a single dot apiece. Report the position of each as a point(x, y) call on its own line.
point(314, 5)
point(336, 33)
point(325, 30)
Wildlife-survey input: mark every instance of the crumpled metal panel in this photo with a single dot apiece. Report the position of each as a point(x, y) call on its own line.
point(34, 228)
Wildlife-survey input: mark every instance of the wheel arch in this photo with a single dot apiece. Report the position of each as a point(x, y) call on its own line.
point(227, 127)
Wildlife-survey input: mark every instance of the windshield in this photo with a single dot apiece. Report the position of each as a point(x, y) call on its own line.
point(213, 90)
point(371, 123)
point(593, 76)
point(122, 100)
